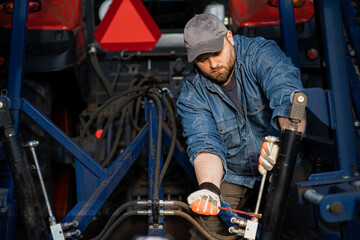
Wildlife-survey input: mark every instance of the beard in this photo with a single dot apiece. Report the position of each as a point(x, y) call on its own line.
point(221, 77)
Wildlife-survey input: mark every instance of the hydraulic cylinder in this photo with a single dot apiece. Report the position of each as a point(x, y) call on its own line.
point(29, 205)
point(280, 185)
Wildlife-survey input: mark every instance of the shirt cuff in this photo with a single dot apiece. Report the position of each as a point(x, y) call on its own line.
point(279, 112)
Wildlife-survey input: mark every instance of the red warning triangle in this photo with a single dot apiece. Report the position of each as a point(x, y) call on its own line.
point(127, 25)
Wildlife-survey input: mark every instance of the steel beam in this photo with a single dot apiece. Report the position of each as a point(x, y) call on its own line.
point(335, 59)
point(288, 30)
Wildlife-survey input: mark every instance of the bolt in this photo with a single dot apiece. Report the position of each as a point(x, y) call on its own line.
point(1, 104)
point(300, 99)
point(32, 144)
point(335, 208)
point(352, 52)
point(357, 124)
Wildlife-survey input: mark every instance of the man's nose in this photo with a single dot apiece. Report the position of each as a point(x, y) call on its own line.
point(213, 62)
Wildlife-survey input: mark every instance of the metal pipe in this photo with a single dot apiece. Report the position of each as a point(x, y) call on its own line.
point(237, 231)
point(239, 221)
point(280, 185)
point(17, 55)
point(313, 197)
point(261, 190)
point(32, 145)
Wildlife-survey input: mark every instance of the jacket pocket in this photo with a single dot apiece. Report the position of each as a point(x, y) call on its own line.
point(259, 115)
point(229, 130)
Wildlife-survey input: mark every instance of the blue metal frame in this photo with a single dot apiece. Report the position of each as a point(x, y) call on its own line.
point(335, 57)
point(337, 105)
point(288, 30)
point(353, 32)
point(334, 108)
point(16, 62)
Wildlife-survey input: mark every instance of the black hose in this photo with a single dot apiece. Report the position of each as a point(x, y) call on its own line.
point(173, 137)
point(112, 224)
point(180, 204)
point(158, 98)
point(113, 217)
point(203, 228)
point(116, 141)
point(117, 223)
point(172, 145)
point(95, 64)
point(102, 107)
point(106, 128)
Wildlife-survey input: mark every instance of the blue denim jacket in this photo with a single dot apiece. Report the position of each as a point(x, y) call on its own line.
point(265, 79)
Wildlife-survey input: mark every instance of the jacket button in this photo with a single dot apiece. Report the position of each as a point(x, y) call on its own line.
point(249, 136)
point(255, 109)
point(220, 129)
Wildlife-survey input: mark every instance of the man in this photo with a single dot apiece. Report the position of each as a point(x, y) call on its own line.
point(238, 93)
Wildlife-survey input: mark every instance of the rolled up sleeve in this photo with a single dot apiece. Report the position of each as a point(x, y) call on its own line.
point(199, 128)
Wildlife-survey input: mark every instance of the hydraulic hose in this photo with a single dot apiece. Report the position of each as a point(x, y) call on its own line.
point(106, 128)
point(113, 217)
point(115, 220)
point(116, 141)
point(203, 228)
point(106, 104)
point(158, 98)
point(280, 185)
point(117, 223)
point(95, 64)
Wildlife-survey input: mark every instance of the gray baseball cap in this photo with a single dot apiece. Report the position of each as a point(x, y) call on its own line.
point(204, 33)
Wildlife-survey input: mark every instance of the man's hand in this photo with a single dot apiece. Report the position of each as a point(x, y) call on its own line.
point(268, 155)
point(205, 201)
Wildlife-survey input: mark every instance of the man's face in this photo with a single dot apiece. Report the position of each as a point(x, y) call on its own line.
point(219, 66)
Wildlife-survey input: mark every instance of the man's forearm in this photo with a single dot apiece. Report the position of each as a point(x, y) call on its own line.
point(208, 168)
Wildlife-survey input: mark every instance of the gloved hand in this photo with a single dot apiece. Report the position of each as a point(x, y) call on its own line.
point(206, 200)
point(268, 155)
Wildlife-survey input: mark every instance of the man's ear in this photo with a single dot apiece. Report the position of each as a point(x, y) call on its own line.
point(229, 36)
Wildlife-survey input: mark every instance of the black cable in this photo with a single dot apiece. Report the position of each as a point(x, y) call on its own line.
point(172, 144)
point(102, 107)
point(106, 128)
point(117, 139)
point(117, 223)
point(93, 117)
point(172, 135)
point(180, 204)
point(203, 228)
point(115, 215)
point(113, 85)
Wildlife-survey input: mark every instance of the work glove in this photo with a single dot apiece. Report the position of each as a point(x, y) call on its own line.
point(268, 154)
point(205, 201)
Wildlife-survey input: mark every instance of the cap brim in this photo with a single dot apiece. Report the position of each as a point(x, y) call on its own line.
point(209, 47)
